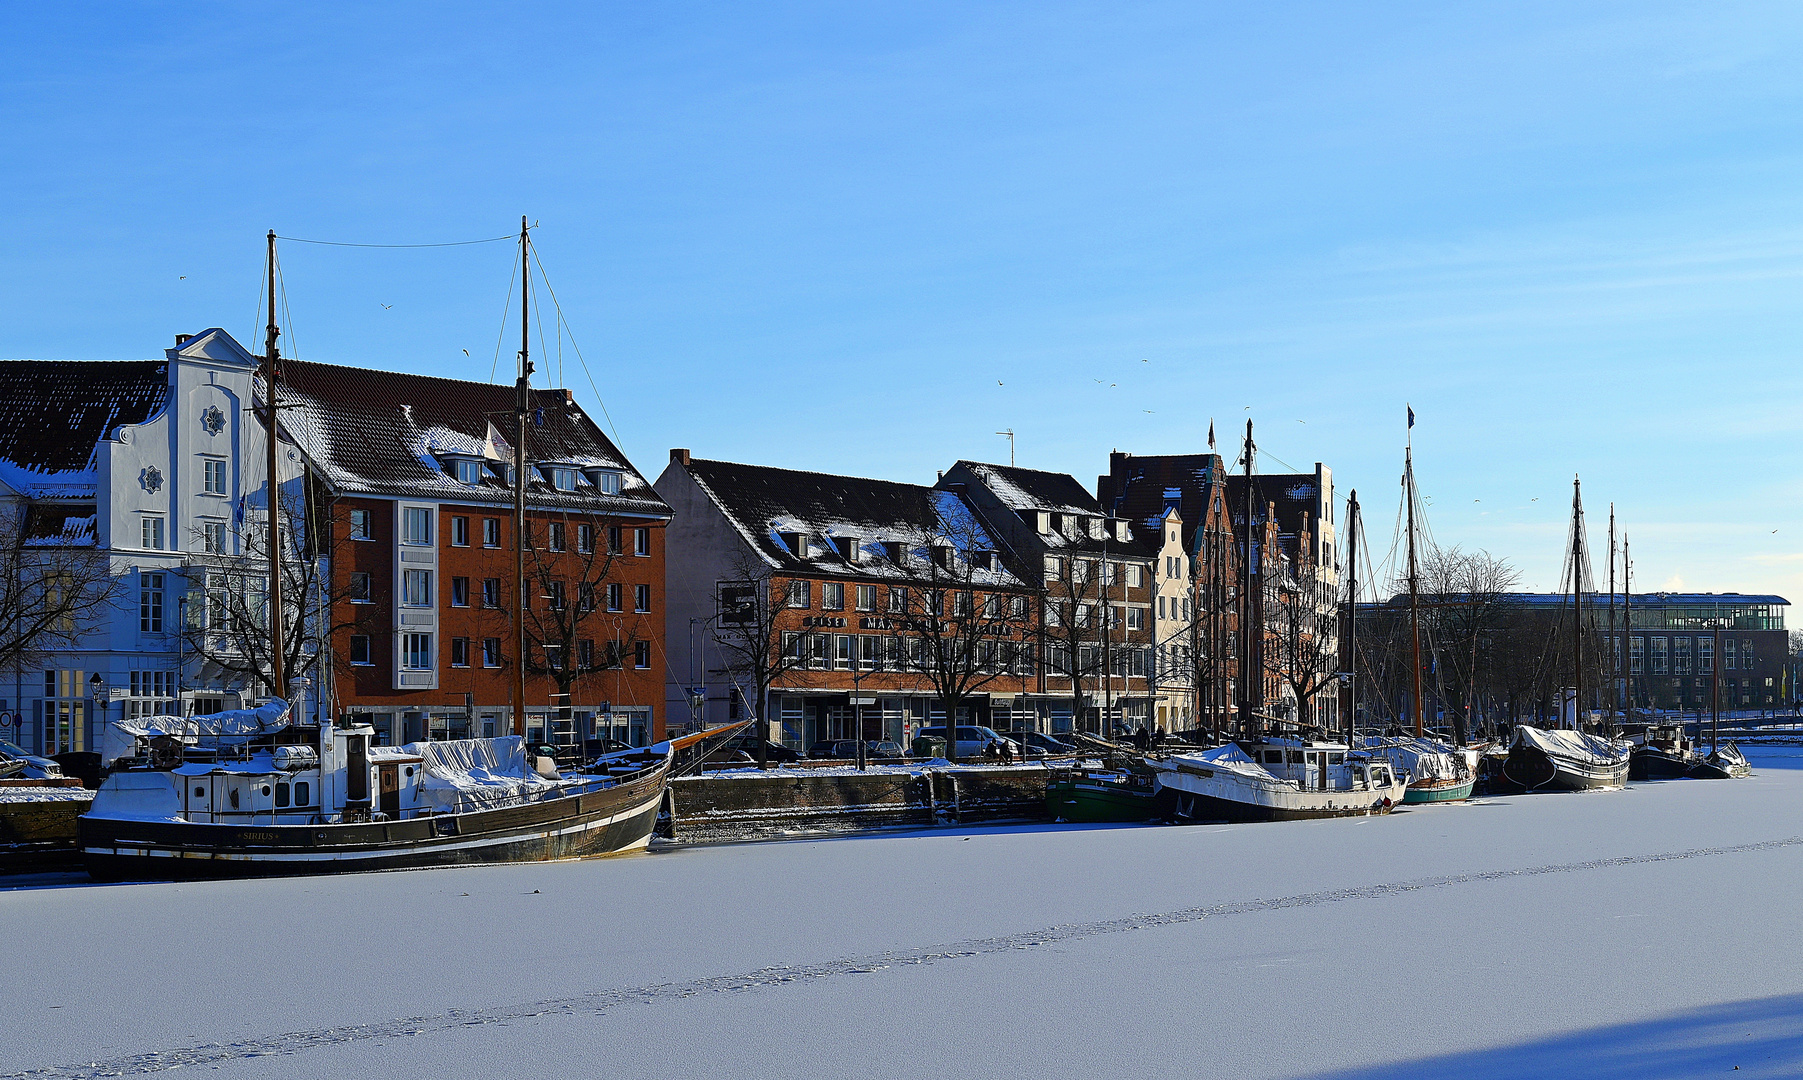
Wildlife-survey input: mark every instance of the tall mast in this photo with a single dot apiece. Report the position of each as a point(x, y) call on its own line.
point(1248, 726)
point(1627, 630)
point(1614, 643)
point(278, 677)
point(522, 404)
point(1408, 500)
point(1352, 617)
point(1577, 607)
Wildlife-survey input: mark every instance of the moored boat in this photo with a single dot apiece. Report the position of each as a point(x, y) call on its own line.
point(1725, 762)
point(1276, 780)
point(1437, 772)
point(1097, 793)
point(1564, 760)
point(1661, 752)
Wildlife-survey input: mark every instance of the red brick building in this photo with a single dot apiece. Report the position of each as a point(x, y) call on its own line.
point(412, 487)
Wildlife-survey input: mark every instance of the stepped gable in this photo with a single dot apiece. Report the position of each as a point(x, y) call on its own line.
point(763, 503)
point(388, 433)
point(53, 412)
point(1141, 489)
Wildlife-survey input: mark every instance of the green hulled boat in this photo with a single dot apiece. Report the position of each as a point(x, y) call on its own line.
point(1440, 790)
point(1101, 795)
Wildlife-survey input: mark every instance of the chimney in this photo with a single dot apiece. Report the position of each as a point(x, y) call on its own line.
point(679, 457)
point(182, 339)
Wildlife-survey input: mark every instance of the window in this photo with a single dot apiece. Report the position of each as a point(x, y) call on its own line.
point(1017, 607)
point(843, 651)
point(585, 596)
point(898, 598)
point(416, 588)
point(469, 472)
point(832, 596)
point(556, 595)
point(212, 535)
point(491, 652)
point(1728, 654)
point(150, 603)
point(360, 527)
point(460, 592)
point(491, 532)
point(416, 652)
point(556, 536)
point(641, 541)
point(1052, 567)
point(416, 525)
point(610, 482)
point(1134, 570)
point(215, 476)
point(870, 652)
point(1705, 656)
point(360, 649)
point(614, 591)
point(641, 598)
point(361, 589)
point(460, 532)
point(1161, 606)
point(615, 540)
point(1111, 572)
point(491, 592)
point(460, 652)
point(1681, 656)
point(960, 604)
point(641, 654)
point(1636, 654)
point(1660, 665)
point(563, 479)
point(585, 538)
point(153, 532)
point(800, 594)
point(866, 597)
point(1136, 618)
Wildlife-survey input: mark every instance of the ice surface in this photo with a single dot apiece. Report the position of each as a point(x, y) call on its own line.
point(1643, 933)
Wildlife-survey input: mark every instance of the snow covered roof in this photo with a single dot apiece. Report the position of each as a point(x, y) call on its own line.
point(844, 525)
point(54, 412)
point(1033, 489)
point(1057, 511)
point(1143, 489)
point(387, 433)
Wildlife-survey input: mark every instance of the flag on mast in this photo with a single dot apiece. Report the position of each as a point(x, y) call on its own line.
point(1411, 409)
point(1211, 434)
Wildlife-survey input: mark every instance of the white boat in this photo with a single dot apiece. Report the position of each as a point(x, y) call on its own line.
point(1276, 780)
point(1565, 760)
point(1438, 772)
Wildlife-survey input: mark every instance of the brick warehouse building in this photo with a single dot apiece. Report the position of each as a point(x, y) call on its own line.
point(413, 474)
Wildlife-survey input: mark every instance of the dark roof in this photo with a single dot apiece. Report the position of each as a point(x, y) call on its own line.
point(1296, 496)
point(764, 503)
point(385, 433)
point(1142, 489)
point(1026, 493)
point(53, 412)
point(1032, 489)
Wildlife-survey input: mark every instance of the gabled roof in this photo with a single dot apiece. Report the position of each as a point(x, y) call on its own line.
point(386, 433)
point(54, 412)
point(1071, 510)
point(1142, 489)
point(1031, 489)
point(764, 503)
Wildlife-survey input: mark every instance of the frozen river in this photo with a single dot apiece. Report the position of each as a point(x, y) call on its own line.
point(1649, 933)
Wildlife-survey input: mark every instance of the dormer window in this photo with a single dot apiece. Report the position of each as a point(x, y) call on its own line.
point(468, 472)
point(847, 546)
point(797, 543)
point(608, 480)
point(894, 551)
point(563, 479)
point(982, 560)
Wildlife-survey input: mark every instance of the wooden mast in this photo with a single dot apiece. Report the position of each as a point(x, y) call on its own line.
point(1577, 607)
point(522, 405)
point(1627, 640)
point(1614, 646)
point(1248, 726)
point(1352, 619)
point(278, 675)
point(1408, 500)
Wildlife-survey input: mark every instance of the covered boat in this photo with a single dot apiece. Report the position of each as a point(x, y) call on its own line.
point(1564, 760)
point(325, 799)
point(1661, 752)
point(1276, 780)
point(1437, 771)
point(1725, 762)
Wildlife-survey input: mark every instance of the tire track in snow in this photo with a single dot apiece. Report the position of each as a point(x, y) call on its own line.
point(600, 1001)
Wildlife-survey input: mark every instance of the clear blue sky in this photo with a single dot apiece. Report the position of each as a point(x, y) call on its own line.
point(863, 238)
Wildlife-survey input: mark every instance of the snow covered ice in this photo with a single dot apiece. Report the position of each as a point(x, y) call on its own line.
point(1646, 933)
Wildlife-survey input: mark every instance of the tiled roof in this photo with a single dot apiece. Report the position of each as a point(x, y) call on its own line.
point(53, 412)
point(1031, 489)
point(1142, 489)
point(1073, 510)
point(384, 433)
point(766, 503)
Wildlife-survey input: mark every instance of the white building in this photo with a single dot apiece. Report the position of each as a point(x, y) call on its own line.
point(159, 464)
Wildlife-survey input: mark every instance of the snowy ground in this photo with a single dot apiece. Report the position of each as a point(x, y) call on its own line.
point(1647, 934)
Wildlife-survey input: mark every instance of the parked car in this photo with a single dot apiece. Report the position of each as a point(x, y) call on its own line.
point(971, 740)
point(883, 749)
point(823, 750)
point(748, 744)
point(36, 767)
point(1038, 744)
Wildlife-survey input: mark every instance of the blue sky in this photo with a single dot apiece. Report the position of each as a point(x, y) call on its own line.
point(862, 239)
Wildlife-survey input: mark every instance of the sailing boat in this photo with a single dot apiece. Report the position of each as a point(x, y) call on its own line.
point(1569, 759)
point(249, 792)
point(1262, 776)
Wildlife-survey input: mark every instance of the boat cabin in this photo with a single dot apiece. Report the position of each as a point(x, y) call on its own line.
point(1320, 766)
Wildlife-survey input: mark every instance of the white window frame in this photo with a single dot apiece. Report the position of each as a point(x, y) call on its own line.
point(213, 478)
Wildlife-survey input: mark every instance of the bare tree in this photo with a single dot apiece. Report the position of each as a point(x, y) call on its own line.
point(56, 585)
point(1469, 608)
point(578, 616)
point(1301, 650)
point(1073, 612)
point(230, 627)
point(748, 630)
point(955, 621)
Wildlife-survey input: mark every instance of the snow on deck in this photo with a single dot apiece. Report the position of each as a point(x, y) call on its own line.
point(1643, 933)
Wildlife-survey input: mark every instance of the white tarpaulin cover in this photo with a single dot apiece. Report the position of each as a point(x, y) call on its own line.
point(1572, 745)
point(1231, 758)
point(462, 775)
point(122, 735)
point(1424, 759)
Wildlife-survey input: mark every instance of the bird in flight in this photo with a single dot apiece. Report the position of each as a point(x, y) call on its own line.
point(387, 307)
point(466, 352)
point(184, 277)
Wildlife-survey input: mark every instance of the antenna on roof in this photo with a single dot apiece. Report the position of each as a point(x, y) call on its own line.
point(1010, 434)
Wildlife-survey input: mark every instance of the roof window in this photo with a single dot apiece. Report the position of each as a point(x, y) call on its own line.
point(468, 471)
point(608, 480)
point(563, 479)
point(847, 547)
point(797, 543)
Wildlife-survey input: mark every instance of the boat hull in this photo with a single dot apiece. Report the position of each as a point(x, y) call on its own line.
point(1091, 801)
point(1535, 770)
point(1439, 791)
point(1200, 796)
point(607, 821)
point(1653, 763)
